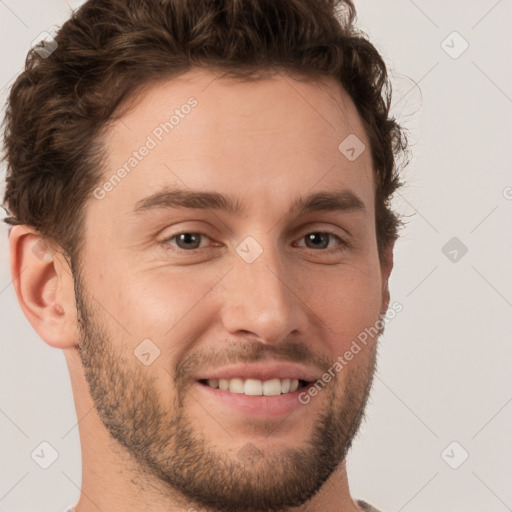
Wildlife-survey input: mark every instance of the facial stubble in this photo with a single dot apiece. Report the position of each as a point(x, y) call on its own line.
point(163, 443)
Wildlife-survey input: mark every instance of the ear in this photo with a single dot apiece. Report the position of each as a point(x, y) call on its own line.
point(44, 286)
point(386, 268)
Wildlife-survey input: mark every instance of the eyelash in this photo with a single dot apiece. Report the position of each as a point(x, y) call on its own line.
point(342, 244)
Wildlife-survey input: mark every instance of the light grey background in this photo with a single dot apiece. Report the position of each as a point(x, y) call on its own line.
point(444, 368)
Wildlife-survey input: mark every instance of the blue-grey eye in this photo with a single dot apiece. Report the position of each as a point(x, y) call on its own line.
point(317, 240)
point(188, 240)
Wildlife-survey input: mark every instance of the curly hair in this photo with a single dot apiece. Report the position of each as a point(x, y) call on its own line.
point(60, 105)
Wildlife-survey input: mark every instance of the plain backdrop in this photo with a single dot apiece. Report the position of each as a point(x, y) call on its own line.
point(435, 438)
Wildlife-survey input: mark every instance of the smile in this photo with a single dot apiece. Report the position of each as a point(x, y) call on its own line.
point(256, 387)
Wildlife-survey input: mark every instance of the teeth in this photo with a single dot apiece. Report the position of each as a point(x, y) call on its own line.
point(272, 387)
point(236, 386)
point(255, 387)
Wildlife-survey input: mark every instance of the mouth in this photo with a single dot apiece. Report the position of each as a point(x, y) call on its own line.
point(259, 391)
point(256, 387)
point(254, 399)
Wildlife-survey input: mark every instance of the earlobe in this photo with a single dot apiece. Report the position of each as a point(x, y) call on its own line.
point(44, 287)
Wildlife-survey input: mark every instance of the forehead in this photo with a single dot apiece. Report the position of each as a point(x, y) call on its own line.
point(266, 142)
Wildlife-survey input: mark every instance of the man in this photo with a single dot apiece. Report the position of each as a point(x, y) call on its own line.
point(230, 375)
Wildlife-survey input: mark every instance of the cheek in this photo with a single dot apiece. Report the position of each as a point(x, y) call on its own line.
point(160, 306)
point(347, 305)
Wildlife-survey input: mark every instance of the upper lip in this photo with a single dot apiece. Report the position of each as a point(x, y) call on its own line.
point(260, 371)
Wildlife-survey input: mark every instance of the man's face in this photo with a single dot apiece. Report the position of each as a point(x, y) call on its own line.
point(263, 292)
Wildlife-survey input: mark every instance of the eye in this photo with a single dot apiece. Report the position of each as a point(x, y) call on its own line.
point(186, 241)
point(320, 240)
point(316, 240)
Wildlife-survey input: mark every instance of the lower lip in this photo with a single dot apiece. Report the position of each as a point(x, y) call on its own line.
point(256, 406)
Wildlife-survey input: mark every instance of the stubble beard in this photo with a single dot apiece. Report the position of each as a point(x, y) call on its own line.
point(164, 444)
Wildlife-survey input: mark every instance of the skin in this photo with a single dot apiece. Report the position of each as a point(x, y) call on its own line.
point(150, 438)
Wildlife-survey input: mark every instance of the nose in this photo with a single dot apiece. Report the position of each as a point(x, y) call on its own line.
point(260, 298)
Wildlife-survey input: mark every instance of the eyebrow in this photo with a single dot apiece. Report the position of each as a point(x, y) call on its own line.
point(339, 200)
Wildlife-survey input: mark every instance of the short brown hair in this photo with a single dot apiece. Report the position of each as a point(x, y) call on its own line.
point(108, 49)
